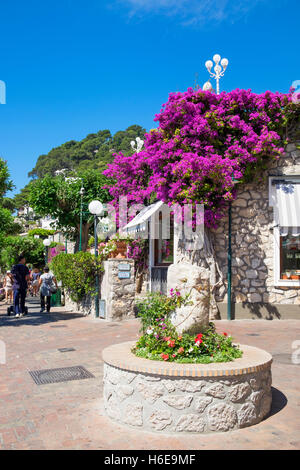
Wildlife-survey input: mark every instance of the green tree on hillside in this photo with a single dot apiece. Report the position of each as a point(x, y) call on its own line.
point(60, 198)
point(22, 198)
point(7, 223)
point(94, 152)
point(6, 183)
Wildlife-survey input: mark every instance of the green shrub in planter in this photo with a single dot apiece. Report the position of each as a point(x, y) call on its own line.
point(91, 242)
point(77, 273)
point(161, 342)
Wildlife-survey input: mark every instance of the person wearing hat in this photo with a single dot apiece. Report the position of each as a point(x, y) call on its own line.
point(8, 283)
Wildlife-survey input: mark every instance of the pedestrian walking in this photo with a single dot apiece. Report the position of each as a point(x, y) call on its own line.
point(48, 285)
point(7, 284)
point(20, 274)
point(35, 277)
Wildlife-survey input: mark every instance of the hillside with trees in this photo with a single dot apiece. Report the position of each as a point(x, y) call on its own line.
point(94, 152)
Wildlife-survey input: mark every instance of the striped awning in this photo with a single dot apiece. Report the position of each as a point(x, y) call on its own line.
point(139, 222)
point(286, 202)
point(292, 231)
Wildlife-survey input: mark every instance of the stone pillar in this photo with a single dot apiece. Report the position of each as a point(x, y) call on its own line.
point(117, 289)
point(192, 279)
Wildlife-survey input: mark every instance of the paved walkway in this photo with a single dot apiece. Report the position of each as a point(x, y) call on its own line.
point(70, 415)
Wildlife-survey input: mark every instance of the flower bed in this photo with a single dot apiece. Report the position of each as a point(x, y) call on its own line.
point(161, 342)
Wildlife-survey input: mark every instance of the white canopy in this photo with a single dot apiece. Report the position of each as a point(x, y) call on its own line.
point(286, 202)
point(139, 222)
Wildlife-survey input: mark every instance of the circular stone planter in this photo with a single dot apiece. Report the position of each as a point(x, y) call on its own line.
point(200, 398)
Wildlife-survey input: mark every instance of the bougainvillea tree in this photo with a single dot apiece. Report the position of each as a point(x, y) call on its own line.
point(204, 143)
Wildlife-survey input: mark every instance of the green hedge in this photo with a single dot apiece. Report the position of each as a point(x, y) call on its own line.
point(12, 246)
point(77, 273)
point(42, 232)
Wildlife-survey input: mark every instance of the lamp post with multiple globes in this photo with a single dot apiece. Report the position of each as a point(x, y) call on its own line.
point(219, 70)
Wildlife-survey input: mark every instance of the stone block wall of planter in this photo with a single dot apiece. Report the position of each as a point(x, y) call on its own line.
point(186, 398)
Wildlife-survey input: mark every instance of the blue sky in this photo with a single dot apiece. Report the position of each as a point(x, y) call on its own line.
point(72, 67)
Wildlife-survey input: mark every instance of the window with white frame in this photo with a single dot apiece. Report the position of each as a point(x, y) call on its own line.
point(285, 198)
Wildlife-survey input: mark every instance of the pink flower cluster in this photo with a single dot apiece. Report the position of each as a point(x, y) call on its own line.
point(203, 143)
point(55, 251)
point(138, 250)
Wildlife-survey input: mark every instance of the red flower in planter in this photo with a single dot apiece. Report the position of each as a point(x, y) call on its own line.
point(180, 350)
point(198, 339)
point(165, 356)
point(171, 343)
point(225, 334)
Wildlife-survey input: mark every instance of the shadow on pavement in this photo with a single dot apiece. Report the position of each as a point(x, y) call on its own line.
point(34, 317)
point(279, 401)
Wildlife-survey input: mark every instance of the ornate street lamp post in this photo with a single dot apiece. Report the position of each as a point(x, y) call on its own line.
point(137, 144)
point(96, 208)
point(219, 70)
point(81, 192)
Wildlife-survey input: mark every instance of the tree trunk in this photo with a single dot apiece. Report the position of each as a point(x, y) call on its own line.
point(84, 237)
point(206, 258)
point(139, 282)
point(216, 276)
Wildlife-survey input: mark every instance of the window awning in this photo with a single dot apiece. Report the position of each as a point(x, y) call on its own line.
point(139, 222)
point(292, 231)
point(286, 202)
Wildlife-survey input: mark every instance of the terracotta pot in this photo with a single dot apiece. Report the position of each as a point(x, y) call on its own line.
point(295, 276)
point(284, 276)
point(121, 251)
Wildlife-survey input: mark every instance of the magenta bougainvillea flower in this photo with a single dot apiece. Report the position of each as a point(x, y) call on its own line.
point(55, 251)
point(204, 143)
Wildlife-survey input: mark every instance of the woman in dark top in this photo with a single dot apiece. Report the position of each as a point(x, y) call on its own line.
point(20, 274)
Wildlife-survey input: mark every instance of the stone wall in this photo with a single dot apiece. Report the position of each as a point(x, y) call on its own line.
point(160, 402)
point(253, 285)
point(253, 241)
point(118, 293)
point(86, 306)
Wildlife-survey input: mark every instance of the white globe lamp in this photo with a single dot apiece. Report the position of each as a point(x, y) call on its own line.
point(95, 207)
point(207, 86)
point(47, 242)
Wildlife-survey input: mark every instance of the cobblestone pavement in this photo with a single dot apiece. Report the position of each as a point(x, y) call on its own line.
point(69, 415)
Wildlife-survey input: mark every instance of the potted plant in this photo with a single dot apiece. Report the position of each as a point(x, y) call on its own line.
point(294, 275)
point(121, 246)
point(106, 249)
